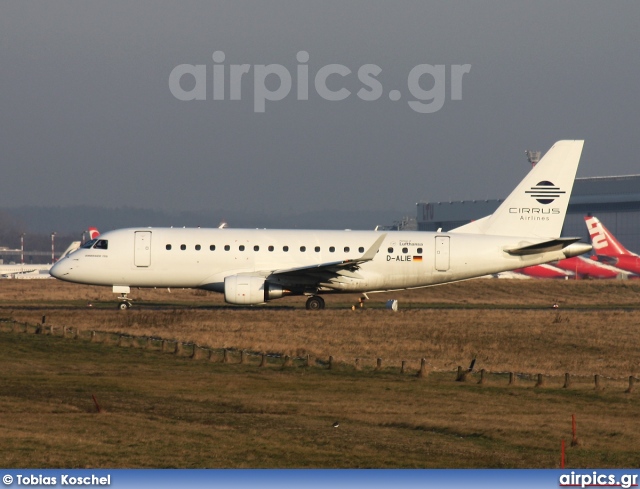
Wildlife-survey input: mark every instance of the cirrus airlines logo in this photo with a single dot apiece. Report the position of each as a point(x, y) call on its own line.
point(545, 192)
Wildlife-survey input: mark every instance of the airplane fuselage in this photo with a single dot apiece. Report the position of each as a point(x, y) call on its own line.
point(204, 258)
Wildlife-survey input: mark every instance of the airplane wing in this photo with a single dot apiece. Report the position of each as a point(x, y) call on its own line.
point(323, 272)
point(7, 272)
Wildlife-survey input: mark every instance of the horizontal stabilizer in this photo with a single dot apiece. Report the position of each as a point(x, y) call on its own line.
point(545, 246)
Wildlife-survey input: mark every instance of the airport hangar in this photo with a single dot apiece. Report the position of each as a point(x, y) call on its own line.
point(613, 200)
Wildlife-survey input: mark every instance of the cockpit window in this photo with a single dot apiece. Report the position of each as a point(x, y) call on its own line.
point(99, 244)
point(89, 244)
point(102, 244)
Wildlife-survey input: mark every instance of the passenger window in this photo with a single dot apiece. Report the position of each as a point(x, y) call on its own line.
point(168, 247)
point(183, 247)
point(419, 250)
point(303, 248)
point(212, 247)
point(256, 248)
point(198, 247)
point(241, 248)
point(361, 249)
point(317, 249)
point(285, 248)
point(332, 249)
point(227, 247)
point(390, 250)
point(346, 249)
point(405, 250)
point(270, 248)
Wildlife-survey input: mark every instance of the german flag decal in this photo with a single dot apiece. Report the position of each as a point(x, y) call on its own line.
point(417, 258)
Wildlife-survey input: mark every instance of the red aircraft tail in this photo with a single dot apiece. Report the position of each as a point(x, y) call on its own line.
point(604, 243)
point(93, 233)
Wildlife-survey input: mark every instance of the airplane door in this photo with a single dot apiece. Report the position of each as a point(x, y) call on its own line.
point(142, 250)
point(442, 253)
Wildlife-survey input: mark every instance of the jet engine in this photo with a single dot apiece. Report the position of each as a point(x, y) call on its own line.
point(251, 289)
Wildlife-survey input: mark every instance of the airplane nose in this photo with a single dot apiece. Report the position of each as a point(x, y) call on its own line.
point(61, 269)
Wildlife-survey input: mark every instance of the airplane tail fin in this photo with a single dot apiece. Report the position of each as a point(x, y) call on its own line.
point(538, 205)
point(604, 243)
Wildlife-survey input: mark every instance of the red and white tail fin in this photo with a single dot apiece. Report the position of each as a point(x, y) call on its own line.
point(93, 233)
point(604, 243)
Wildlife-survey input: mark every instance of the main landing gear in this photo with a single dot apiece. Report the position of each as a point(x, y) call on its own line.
point(315, 303)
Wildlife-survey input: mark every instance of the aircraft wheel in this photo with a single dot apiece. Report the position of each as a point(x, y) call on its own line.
point(123, 306)
point(315, 303)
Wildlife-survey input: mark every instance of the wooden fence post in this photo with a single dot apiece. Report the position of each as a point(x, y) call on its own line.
point(567, 381)
point(243, 357)
point(263, 361)
point(631, 382)
point(403, 368)
point(512, 378)
point(540, 381)
point(379, 364)
point(357, 364)
point(422, 373)
point(330, 362)
point(596, 379)
point(461, 375)
point(226, 358)
point(481, 381)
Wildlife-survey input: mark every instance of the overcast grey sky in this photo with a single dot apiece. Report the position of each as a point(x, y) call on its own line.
point(87, 114)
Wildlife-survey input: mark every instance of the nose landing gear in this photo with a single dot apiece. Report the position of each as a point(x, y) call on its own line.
point(124, 303)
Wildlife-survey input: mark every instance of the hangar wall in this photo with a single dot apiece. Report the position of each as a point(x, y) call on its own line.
point(614, 200)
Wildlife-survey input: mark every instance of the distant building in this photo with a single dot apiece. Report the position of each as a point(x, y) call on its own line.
point(403, 224)
point(614, 200)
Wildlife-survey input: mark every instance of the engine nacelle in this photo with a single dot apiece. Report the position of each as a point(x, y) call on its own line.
point(250, 289)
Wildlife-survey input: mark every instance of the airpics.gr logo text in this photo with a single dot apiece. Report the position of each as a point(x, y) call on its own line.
point(427, 85)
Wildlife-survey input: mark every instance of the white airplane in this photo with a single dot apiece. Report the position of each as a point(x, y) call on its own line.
point(256, 266)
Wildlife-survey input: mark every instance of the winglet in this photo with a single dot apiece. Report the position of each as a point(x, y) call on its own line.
point(371, 252)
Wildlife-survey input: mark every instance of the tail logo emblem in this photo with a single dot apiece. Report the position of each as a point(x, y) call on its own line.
point(545, 192)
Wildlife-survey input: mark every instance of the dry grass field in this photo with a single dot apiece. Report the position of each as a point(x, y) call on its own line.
point(170, 411)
